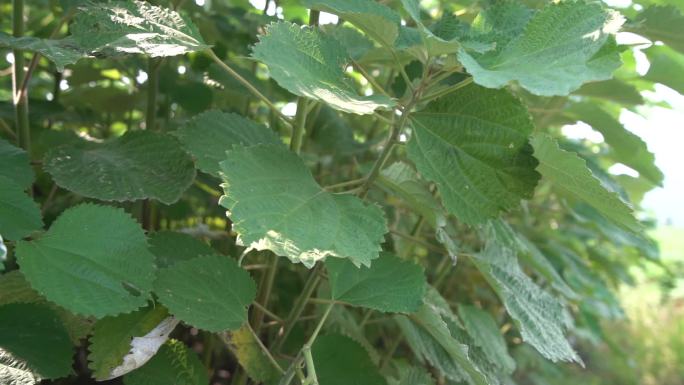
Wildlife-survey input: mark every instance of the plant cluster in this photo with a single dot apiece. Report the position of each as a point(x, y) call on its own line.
point(195, 192)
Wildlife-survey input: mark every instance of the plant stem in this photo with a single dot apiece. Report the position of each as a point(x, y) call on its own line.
point(395, 129)
point(266, 311)
point(286, 119)
point(152, 92)
point(299, 305)
point(446, 91)
point(265, 349)
point(36, 56)
point(299, 125)
point(344, 184)
point(369, 78)
point(20, 99)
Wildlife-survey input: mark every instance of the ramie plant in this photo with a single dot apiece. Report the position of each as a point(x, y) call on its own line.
point(419, 218)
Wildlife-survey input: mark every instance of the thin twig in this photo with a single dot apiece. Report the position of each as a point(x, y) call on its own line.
point(265, 349)
point(286, 119)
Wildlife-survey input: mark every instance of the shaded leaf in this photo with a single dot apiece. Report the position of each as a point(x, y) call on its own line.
point(276, 204)
point(115, 337)
point(209, 292)
point(309, 63)
point(339, 360)
point(62, 52)
point(613, 90)
point(34, 334)
point(664, 23)
point(174, 364)
point(209, 135)
point(666, 67)
point(250, 356)
point(16, 165)
point(19, 214)
point(473, 144)
point(390, 284)
point(170, 247)
point(93, 261)
point(626, 147)
point(540, 317)
point(569, 173)
point(137, 165)
point(485, 333)
point(377, 20)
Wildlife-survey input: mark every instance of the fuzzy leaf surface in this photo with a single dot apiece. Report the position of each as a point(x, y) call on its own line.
point(170, 247)
point(377, 20)
point(209, 135)
point(390, 284)
point(569, 173)
point(209, 292)
point(308, 62)
point(34, 334)
point(134, 27)
point(473, 144)
point(276, 204)
point(19, 214)
point(339, 360)
point(16, 165)
point(138, 165)
point(93, 261)
point(564, 45)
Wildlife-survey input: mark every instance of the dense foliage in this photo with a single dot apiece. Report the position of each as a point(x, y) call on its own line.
point(159, 158)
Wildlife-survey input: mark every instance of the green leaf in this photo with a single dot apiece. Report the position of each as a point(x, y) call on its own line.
point(310, 63)
point(275, 204)
point(570, 174)
point(170, 247)
point(137, 165)
point(209, 135)
point(626, 147)
point(19, 214)
point(400, 179)
point(357, 45)
point(433, 335)
point(540, 317)
point(664, 23)
point(484, 330)
point(14, 288)
point(614, 90)
point(339, 360)
point(666, 67)
point(16, 165)
point(564, 45)
point(432, 44)
point(62, 52)
point(125, 27)
point(251, 357)
point(93, 261)
point(390, 284)
point(413, 375)
point(14, 371)
point(473, 144)
point(378, 21)
point(174, 364)
point(34, 334)
point(114, 337)
point(210, 292)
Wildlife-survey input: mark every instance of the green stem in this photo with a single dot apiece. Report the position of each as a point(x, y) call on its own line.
point(298, 307)
point(20, 99)
point(265, 349)
point(395, 129)
point(446, 91)
point(352, 182)
point(299, 125)
point(152, 92)
point(250, 87)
